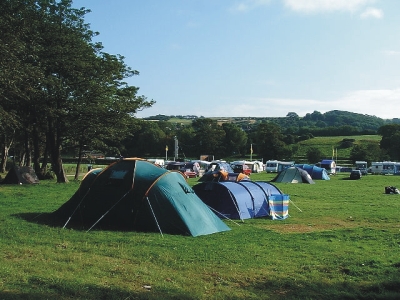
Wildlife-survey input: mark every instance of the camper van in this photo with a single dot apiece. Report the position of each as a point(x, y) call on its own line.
point(254, 166)
point(388, 167)
point(271, 166)
point(275, 166)
point(385, 167)
point(376, 167)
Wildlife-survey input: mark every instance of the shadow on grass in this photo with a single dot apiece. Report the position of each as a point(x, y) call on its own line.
point(39, 288)
point(387, 290)
point(52, 220)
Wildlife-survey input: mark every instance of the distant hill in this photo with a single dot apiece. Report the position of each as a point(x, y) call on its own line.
point(320, 123)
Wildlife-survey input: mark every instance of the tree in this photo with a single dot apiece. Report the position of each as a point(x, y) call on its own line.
point(390, 141)
point(235, 138)
point(148, 141)
point(368, 153)
point(292, 115)
point(313, 155)
point(19, 70)
point(64, 83)
point(209, 137)
point(270, 142)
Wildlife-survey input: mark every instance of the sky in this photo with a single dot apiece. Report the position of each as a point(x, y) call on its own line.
point(256, 58)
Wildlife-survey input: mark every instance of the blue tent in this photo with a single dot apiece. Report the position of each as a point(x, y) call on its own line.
point(315, 172)
point(244, 199)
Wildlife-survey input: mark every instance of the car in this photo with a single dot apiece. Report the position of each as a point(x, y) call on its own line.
point(220, 165)
point(184, 167)
point(242, 168)
point(355, 174)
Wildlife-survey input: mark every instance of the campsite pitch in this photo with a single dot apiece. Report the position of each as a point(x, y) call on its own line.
point(341, 241)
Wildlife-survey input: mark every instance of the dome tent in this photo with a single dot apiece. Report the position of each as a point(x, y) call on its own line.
point(315, 172)
point(293, 175)
point(21, 175)
point(244, 199)
point(133, 194)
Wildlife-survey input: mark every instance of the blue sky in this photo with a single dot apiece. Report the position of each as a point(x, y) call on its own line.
point(256, 58)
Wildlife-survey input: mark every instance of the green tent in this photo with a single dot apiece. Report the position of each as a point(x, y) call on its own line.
point(134, 194)
point(293, 175)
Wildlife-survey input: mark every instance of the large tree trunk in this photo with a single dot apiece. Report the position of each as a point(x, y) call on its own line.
point(4, 157)
point(58, 168)
point(36, 153)
point(56, 161)
point(78, 165)
point(28, 151)
point(6, 147)
point(43, 168)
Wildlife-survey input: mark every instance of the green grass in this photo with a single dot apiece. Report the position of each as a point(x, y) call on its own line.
point(326, 144)
point(341, 241)
point(342, 244)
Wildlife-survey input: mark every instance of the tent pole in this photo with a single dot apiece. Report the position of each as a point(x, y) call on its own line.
point(234, 203)
point(154, 216)
point(223, 215)
point(108, 211)
point(295, 205)
point(80, 202)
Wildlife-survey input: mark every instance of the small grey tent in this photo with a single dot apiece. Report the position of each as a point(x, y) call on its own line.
point(21, 175)
point(293, 175)
point(134, 194)
point(244, 199)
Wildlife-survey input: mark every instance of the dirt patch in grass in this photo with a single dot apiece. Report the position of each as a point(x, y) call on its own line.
point(321, 225)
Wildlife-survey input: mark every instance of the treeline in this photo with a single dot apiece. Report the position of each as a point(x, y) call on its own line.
point(331, 123)
point(267, 140)
point(58, 89)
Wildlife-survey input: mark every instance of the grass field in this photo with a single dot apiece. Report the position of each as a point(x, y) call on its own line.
point(341, 241)
point(326, 144)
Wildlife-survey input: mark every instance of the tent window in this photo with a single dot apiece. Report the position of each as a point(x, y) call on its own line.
point(118, 174)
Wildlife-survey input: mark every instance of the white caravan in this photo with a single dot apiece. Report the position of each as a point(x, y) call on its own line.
point(275, 166)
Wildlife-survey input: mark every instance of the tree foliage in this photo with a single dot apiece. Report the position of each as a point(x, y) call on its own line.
point(57, 85)
point(391, 140)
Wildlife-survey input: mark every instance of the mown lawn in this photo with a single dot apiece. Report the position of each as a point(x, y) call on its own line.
point(341, 241)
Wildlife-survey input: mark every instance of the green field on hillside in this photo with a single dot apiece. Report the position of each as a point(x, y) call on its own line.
point(341, 241)
point(328, 144)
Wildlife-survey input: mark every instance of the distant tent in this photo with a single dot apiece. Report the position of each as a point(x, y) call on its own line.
point(293, 175)
point(134, 194)
point(21, 175)
point(315, 172)
point(329, 165)
point(244, 200)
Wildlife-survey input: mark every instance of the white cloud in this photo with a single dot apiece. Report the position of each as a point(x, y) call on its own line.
point(380, 103)
point(391, 53)
point(313, 6)
point(371, 12)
